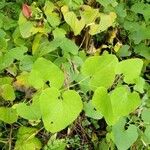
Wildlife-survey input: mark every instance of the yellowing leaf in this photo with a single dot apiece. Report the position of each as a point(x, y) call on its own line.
point(72, 20)
point(105, 22)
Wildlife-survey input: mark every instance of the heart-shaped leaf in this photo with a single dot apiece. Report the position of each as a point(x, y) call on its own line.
point(44, 70)
point(113, 106)
point(124, 138)
point(105, 22)
point(72, 20)
point(59, 111)
point(131, 69)
point(52, 17)
point(101, 69)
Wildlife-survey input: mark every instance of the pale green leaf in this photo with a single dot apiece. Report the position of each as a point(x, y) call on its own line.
point(101, 101)
point(29, 28)
point(59, 111)
point(130, 68)
point(91, 112)
point(120, 102)
point(52, 17)
point(26, 139)
point(124, 138)
point(145, 115)
point(44, 70)
point(7, 92)
point(95, 63)
point(31, 112)
point(105, 77)
point(8, 115)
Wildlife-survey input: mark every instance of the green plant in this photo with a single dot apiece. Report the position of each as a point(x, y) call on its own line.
point(74, 67)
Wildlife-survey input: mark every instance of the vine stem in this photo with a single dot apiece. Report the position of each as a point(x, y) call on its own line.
point(10, 137)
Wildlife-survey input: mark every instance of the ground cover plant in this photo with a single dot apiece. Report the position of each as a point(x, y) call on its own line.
point(74, 74)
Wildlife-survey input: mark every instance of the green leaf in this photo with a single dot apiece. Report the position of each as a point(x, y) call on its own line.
point(124, 138)
point(124, 51)
point(46, 47)
point(142, 50)
point(7, 92)
point(120, 102)
point(123, 102)
point(51, 15)
point(59, 111)
point(145, 115)
point(55, 144)
point(16, 53)
point(101, 101)
point(101, 69)
point(72, 20)
point(147, 135)
point(105, 3)
point(141, 8)
point(91, 112)
point(59, 33)
point(130, 68)
point(105, 77)
point(89, 14)
point(44, 70)
point(74, 4)
point(29, 28)
point(5, 80)
point(8, 115)
point(26, 139)
point(31, 112)
point(95, 63)
point(139, 85)
point(69, 46)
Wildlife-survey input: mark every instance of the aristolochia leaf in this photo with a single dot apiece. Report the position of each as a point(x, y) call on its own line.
point(26, 139)
point(7, 92)
point(101, 101)
point(72, 20)
point(123, 101)
point(130, 68)
point(8, 115)
point(101, 69)
point(105, 22)
point(95, 63)
point(124, 138)
point(105, 77)
point(113, 106)
point(59, 111)
point(44, 70)
point(31, 112)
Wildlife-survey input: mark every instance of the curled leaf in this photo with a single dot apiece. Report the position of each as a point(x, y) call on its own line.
point(26, 10)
